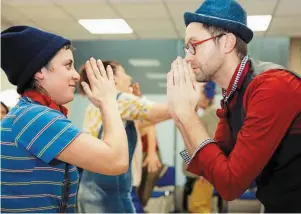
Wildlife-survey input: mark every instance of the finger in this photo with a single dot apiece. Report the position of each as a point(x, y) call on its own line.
point(90, 74)
point(170, 82)
point(176, 77)
point(192, 75)
point(102, 69)
point(181, 71)
point(198, 87)
point(110, 73)
point(187, 72)
point(94, 68)
point(87, 89)
point(159, 164)
point(152, 170)
point(97, 74)
point(144, 163)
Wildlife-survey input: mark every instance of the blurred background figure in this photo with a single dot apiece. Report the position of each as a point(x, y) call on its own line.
point(9, 99)
point(101, 193)
point(4, 110)
point(151, 167)
point(198, 191)
point(152, 163)
point(151, 42)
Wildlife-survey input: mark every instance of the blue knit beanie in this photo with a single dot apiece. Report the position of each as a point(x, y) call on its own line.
point(25, 50)
point(209, 90)
point(226, 14)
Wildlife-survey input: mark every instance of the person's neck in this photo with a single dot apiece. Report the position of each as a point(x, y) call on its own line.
point(224, 75)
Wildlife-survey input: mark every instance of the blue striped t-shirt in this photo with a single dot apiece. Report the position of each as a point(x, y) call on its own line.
point(32, 135)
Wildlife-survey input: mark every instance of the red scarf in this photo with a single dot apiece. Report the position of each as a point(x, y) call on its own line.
point(45, 100)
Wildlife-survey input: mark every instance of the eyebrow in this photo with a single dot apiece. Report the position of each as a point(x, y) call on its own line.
point(68, 61)
point(191, 39)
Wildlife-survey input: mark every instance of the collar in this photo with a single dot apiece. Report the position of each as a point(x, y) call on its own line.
point(242, 77)
point(45, 100)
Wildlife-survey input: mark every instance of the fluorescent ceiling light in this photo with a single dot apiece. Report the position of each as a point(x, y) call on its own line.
point(162, 84)
point(106, 26)
point(145, 62)
point(259, 23)
point(156, 75)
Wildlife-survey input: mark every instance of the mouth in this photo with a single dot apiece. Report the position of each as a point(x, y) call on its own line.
point(194, 69)
point(73, 86)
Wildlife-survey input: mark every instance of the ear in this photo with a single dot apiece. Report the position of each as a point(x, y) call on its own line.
point(230, 42)
point(40, 75)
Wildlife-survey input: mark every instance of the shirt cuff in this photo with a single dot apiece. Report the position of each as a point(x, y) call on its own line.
point(185, 155)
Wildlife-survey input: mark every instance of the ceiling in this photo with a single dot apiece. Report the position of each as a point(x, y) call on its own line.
point(150, 19)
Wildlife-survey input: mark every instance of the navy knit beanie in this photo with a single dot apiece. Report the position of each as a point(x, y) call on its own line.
point(25, 50)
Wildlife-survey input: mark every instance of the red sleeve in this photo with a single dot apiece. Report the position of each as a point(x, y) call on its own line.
point(269, 113)
point(223, 134)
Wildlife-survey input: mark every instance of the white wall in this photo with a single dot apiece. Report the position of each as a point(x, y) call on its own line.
point(295, 55)
point(5, 84)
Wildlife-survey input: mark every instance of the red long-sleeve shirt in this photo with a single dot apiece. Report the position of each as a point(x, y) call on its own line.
point(272, 103)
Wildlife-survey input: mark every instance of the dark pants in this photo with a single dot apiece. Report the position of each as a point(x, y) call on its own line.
point(148, 182)
point(187, 191)
point(136, 201)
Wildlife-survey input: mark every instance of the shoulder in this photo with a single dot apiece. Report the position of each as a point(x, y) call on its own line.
point(275, 81)
point(33, 111)
point(123, 96)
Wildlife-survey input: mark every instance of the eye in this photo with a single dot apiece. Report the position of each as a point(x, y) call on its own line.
point(69, 66)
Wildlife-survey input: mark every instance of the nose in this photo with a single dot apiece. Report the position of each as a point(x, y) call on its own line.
point(76, 76)
point(189, 57)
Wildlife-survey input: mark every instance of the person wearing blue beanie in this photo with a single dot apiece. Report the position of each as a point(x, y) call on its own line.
point(40, 147)
point(200, 200)
point(258, 136)
point(209, 89)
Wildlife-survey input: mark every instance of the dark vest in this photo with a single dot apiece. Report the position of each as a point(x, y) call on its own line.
point(279, 183)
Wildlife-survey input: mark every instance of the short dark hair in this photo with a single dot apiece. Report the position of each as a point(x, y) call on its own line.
point(5, 106)
point(241, 47)
point(33, 83)
point(83, 74)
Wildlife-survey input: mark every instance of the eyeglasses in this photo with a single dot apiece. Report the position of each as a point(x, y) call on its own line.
point(191, 46)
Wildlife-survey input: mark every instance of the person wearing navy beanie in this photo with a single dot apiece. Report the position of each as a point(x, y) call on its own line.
point(40, 147)
point(259, 132)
